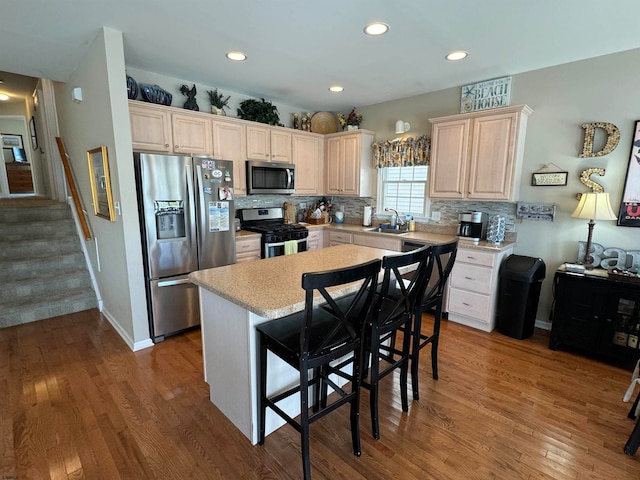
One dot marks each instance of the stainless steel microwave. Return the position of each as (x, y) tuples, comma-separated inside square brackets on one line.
[(270, 177)]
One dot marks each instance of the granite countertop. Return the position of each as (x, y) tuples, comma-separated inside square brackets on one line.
[(272, 287), (420, 236), (246, 233)]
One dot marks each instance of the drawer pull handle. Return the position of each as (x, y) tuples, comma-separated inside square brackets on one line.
[(469, 278), (466, 304)]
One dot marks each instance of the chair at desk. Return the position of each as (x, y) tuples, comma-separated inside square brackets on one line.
[(442, 259), (315, 339), (392, 313)]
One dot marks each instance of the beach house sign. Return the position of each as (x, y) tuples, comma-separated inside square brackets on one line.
[(484, 95)]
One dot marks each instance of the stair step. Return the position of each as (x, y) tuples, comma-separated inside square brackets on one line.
[(33, 267), (71, 301), (49, 213), (16, 232), (43, 286), (38, 247)]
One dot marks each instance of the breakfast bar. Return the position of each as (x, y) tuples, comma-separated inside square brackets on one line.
[(236, 298)]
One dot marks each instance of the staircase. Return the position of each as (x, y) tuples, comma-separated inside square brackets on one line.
[(42, 267)]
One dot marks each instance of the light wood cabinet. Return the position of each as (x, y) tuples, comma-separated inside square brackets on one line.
[(271, 144), (150, 127), (229, 144), (191, 134), (247, 249), (349, 164), (308, 158), (473, 287), (478, 155), (375, 241), (315, 240), (156, 128), (338, 238)]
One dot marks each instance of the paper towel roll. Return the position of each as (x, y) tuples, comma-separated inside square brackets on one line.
[(367, 217)]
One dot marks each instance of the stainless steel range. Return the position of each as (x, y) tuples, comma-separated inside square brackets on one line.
[(276, 235)]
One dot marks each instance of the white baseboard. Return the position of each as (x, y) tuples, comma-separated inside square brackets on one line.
[(543, 325), (134, 346)]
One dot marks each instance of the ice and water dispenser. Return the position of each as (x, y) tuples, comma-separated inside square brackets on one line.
[(169, 219)]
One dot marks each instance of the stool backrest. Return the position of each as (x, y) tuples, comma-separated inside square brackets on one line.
[(442, 259), (340, 334)]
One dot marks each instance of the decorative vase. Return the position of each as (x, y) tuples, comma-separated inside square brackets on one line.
[(352, 127), (218, 111)]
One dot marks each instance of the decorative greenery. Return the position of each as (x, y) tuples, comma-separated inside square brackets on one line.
[(352, 119), (261, 111), (217, 99)]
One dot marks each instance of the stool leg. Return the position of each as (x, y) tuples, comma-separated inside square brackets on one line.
[(304, 422), (434, 341), (355, 403), (404, 368), (374, 372), (415, 352), (634, 441)]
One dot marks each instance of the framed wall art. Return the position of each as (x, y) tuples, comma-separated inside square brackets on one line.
[(10, 140), (629, 214), (100, 183)]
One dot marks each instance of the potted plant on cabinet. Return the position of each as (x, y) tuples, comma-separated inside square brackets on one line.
[(218, 102), (261, 111), (351, 121)]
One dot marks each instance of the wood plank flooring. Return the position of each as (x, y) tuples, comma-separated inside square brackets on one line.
[(76, 403)]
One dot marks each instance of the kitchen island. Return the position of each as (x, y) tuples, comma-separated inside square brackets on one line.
[(236, 298)]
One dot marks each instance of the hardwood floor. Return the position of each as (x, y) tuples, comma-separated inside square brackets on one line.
[(75, 403)]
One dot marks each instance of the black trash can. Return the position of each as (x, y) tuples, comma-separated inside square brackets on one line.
[(520, 279)]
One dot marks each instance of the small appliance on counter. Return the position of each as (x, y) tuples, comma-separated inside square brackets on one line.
[(472, 225)]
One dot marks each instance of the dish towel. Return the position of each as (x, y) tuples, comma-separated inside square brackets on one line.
[(290, 246)]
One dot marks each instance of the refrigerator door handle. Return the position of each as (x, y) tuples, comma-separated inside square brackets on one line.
[(169, 283), (192, 208), (201, 209)]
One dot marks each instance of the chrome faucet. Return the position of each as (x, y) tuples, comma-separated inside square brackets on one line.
[(395, 220)]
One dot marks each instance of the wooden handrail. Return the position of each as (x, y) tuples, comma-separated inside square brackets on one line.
[(74, 191)]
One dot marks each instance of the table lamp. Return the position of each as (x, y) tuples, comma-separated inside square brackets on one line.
[(594, 206)]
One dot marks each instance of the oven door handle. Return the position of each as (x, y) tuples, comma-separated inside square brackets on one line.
[(281, 244)]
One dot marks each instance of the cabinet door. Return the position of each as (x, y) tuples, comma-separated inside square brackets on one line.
[(307, 156), (191, 134), (351, 165), (449, 159), (229, 144), (377, 242), (258, 142), (280, 146), (492, 157), (334, 162), (150, 129)]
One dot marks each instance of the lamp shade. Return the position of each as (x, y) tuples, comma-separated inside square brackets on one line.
[(596, 206)]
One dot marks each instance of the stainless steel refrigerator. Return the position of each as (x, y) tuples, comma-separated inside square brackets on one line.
[(187, 223)]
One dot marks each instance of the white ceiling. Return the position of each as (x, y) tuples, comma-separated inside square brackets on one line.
[(298, 48)]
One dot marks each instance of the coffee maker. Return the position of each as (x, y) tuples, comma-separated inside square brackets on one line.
[(472, 225)]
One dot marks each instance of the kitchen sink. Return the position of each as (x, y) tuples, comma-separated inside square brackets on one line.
[(388, 231)]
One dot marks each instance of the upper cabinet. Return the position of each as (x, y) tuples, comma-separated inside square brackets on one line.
[(349, 164), (478, 155), (229, 144), (150, 128), (156, 128), (271, 144), (308, 149)]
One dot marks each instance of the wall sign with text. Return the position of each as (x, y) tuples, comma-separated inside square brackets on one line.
[(488, 94)]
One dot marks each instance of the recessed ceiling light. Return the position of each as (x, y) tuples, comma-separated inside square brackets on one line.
[(376, 28), (236, 56), (457, 55), (336, 88), (4, 97)]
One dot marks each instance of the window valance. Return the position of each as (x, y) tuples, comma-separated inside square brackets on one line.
[(406, 152)]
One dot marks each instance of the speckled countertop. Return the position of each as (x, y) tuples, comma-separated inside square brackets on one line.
[(272, 287)]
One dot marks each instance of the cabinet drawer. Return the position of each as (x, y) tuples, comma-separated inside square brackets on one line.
[(476, 257), (470, 304), (377, 242), (247, 249), (340, 237), (471, 277)]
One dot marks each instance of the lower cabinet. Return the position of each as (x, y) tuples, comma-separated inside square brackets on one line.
[(472, 293), (597, 316), (315, 240), (377, 242), (247, 248), (338, 238)]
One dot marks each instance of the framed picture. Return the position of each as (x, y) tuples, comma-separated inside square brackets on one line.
[(32, 131), (10, 140), (629, 214), (100, 183), (547, 179)]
